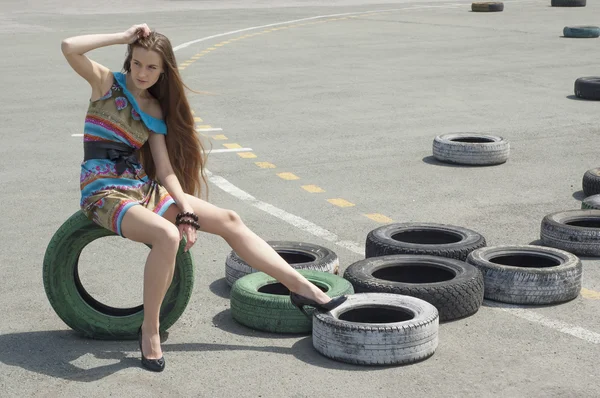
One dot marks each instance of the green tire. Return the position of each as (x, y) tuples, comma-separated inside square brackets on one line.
[(84, 314), (260, 302)]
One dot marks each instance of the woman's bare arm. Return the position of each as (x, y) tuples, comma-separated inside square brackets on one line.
[(165, 173), (75, 47)]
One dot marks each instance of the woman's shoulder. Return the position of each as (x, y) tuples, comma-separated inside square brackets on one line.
[(152, 108)]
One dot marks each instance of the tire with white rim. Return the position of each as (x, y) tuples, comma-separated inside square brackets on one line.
[(576, 231), (377, 329), (299, 255), (471, 149), (528, 274)]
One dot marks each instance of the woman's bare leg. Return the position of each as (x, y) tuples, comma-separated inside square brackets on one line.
[(253, 249), (142, 225)]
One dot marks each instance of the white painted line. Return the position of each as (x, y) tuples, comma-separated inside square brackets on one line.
[(292, 219), (76, 135), (210, 129), (230, 150), (322, 233), (532, 316), (189, 43)]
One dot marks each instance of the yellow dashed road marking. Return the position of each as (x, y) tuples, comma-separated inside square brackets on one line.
[(232, 146), (379, 218), (219, 45), (590, 294), (219, 137), (312, 188), (211, 48), (340, 202), (204, 126), (265, 165), (288, 176), (197, 119), (246, 155)]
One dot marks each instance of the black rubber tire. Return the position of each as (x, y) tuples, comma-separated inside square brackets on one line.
[(275, 313), (459, 241), (471, 149), (581, 31), (84, 314), (591, 203), (588, 88), (377, 342), (458, 297), (557, 232), (555, 279), (568, 3), (591, 182), (300, 255), (487, 6)]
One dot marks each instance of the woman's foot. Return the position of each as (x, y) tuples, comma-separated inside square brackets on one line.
[(152, 358), (300, 302), (314, 293)]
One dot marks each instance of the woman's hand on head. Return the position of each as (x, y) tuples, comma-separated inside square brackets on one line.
[(136, 32), (190, 235)]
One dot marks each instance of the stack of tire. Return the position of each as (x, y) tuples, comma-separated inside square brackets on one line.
[(413, 277), (577, 231)]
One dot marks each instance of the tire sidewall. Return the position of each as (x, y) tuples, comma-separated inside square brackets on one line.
[(363, 270), (384, 235), (60, 262), (480, 258)]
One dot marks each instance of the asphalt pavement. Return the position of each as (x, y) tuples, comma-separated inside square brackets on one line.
[(345, 97)]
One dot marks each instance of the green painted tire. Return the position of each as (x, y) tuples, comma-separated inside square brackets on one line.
[(581, 31), (84, 314), (260, 302)]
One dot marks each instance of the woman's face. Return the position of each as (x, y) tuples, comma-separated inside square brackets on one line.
[(146, 67)]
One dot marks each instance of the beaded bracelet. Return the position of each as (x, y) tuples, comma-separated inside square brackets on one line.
[(187, 214), (188, 222)]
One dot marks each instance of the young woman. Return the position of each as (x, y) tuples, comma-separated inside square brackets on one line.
[(144, 111)]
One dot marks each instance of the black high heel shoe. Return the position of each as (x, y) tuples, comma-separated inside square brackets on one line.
[(300, 302), (155, 365)]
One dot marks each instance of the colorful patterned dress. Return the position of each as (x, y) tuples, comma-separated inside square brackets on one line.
[(106, 195)]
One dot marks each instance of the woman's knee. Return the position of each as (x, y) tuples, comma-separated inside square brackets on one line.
[(167, 235)]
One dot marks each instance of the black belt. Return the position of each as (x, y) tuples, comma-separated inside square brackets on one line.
[(122, 154)]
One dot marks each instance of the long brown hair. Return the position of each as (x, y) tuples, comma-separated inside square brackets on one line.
[(184, 146)]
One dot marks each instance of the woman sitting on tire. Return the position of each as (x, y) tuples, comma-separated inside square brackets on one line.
[(155, 200)]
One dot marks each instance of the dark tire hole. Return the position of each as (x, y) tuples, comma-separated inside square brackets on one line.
[(421, 273), (427, 237), (281, 290), (473, 140), (585, 223), (377, 315), (295, 257), (525, 260)]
